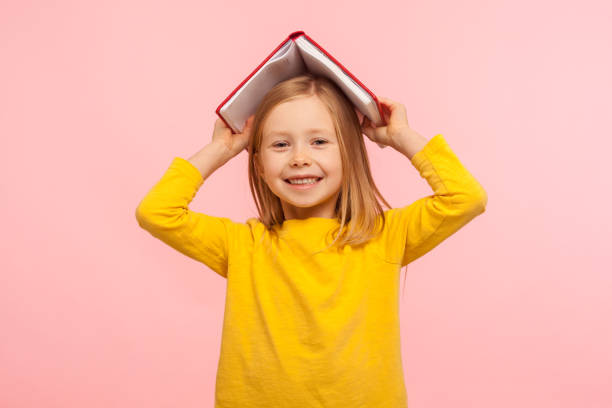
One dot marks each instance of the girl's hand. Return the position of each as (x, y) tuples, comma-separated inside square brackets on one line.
[(233, 143), (397, 124)]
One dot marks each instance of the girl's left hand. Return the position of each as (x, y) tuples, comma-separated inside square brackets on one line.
[(397, 124)]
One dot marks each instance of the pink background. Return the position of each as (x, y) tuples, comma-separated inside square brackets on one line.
[(97, 98)]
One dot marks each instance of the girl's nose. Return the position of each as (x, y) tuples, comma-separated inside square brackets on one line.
[(299, 158)]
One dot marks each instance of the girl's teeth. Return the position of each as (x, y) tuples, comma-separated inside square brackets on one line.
[(303, 181)]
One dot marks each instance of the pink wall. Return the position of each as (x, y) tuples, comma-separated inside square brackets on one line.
[(96, 99)]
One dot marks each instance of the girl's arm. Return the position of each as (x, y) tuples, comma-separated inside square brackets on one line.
[(458, 197), (165, 213), (210, 158), (416, 229)]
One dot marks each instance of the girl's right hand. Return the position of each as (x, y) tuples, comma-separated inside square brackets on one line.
[(233, 143)]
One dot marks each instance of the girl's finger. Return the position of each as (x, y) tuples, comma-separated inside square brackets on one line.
[(387, 115), (395, 109), (389, 105), (385, 101)]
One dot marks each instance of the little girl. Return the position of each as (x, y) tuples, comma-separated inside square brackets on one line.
[(311, 315)]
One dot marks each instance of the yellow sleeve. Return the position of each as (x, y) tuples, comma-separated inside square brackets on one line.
[(416, 229), (165, 214)]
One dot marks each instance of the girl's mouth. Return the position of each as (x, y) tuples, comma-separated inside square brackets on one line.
[(304, 186)]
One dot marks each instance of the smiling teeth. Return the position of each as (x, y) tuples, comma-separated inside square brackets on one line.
[(303, 181)]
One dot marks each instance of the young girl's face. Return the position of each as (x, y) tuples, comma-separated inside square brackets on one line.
[(299, 139)]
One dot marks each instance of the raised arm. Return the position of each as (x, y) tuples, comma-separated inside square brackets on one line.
[(414, 230), (164, 211), (458, 197)]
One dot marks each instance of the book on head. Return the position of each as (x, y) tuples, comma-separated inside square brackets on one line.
[(294, 56)]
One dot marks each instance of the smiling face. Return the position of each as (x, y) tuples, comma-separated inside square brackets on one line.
[(298, 139)]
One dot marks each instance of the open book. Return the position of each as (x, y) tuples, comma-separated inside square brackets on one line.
[(296, 55)]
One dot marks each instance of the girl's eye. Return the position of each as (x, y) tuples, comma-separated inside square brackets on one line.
[(281, 144)]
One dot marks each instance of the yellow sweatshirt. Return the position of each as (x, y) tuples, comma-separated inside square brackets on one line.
[(306, 331)]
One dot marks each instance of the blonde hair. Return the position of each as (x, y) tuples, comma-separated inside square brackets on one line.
[(357, 208)]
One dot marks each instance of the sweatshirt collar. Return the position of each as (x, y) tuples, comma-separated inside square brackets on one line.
[(308, 224)]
